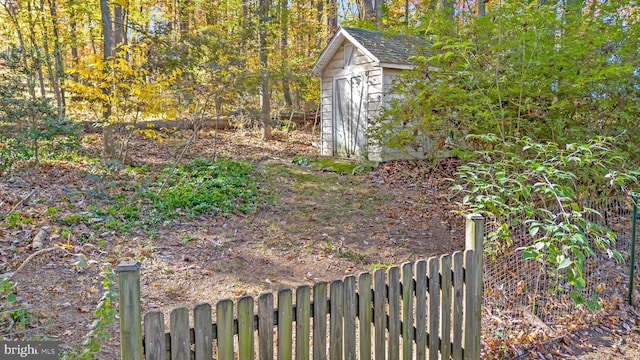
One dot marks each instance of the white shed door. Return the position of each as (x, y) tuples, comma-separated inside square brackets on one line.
[(350, 116)]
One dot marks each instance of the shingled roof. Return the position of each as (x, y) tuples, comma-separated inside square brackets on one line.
[(393, 51)]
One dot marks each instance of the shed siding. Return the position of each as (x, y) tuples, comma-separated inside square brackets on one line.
[(326, 124), (360, 64), (377, 152)]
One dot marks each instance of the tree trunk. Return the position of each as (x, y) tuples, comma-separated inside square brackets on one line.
[(284, 45), (332, 16), (319, 28), (35, 46), (379, 7), (365, 9), (246, 20), (107, 52), (59, 65), (482, 9), (74, 41), (52, 74), (118, 26), (265, 104), (406, 13)]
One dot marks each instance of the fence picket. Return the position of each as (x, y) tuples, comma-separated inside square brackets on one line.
[(469, 288), (336, 320), (202, 332), (458, 297), (407, 311), (434, 302), (303, 315), (224, 314), (365, 315), (285, 325), (379, 313), (155, 347), (245, 328), (445, 307), (320, 321), (350, 344), (265, 326), (179, 327), (421, 310), (394, 313), (131, 345)]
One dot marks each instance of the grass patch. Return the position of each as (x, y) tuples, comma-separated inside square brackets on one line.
[(15, 218), (195, 188), (340, 166), (352, 255), (205, 186), (384, 266)]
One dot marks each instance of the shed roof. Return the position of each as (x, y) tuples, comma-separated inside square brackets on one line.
[(392, 51)]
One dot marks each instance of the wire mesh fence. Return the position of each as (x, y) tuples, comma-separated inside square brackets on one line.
[(525, 289)]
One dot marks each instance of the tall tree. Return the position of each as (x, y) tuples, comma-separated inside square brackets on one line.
[(332, 15), (284, 47), (59, 63), (107, 53), (265, 102)]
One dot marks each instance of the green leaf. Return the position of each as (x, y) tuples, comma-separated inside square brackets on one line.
[(565, 263), (533, 230), (11, 298)]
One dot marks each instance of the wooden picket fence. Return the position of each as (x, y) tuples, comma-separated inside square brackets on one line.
[(429, 309)]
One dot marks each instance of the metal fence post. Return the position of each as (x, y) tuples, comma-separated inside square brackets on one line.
[(130, 314), (632, 267), (473, 320)]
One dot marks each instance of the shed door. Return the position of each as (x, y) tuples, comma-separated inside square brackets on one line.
[(350, 116)]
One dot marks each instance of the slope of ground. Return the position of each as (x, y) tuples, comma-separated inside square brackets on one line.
[(314, 225)]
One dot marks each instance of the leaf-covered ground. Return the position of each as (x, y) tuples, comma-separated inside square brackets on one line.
[(310, 224)]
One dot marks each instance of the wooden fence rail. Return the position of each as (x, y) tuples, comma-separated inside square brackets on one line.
[(429, 309)]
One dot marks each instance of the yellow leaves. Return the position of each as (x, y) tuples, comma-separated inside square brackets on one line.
[(124, 83), (150, 134)]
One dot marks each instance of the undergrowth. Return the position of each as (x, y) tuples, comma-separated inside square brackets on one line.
[(205, 186), (145, 198), (105, 314)]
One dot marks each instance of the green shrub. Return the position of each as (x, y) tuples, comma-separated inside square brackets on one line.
[(205, 186)]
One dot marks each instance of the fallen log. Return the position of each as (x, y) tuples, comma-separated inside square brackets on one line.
[(221, 123)]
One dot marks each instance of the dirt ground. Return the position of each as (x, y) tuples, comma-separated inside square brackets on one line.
[(319, 225)]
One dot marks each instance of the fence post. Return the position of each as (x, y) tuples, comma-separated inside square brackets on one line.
[(473, 320), (632, 266), (130, 315)]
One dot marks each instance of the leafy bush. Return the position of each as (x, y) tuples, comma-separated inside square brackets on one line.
[(539, 185), (206, 186), (553, 74)]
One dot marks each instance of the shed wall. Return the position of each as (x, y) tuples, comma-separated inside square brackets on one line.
[(377, 152)]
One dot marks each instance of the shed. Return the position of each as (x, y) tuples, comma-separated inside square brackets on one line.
[(357, 69)]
